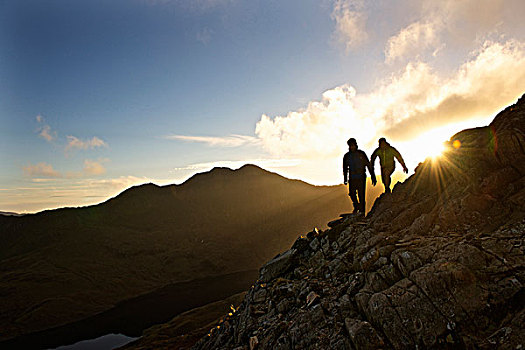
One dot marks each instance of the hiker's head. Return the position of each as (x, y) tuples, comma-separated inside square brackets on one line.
[(352, 144), (382, 142)]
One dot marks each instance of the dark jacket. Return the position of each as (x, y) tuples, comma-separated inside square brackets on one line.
[(354, 163), (386, 157)]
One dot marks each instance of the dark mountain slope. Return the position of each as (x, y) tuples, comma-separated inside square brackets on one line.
[(439, 263), (63, 265)]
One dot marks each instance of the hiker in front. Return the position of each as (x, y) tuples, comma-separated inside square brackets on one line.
[(354, 163), (386, 154)]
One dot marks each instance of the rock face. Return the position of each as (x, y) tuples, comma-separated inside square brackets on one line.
[(439, 263)]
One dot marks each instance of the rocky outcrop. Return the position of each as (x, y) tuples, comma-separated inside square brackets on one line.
[(439, 263)]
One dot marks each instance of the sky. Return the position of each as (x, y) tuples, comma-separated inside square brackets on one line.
[(97, 96)]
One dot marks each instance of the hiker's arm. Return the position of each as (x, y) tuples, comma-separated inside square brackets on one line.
[(400, 160), (345, 170), (373, 158), (370, 169)]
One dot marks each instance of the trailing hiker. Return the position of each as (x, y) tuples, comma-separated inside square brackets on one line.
[(354, 163)]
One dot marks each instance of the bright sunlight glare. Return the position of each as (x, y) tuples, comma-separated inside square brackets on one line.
[(430, 144)]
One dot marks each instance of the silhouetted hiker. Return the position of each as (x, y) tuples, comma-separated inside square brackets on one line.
[(354, 163), (386, 154)]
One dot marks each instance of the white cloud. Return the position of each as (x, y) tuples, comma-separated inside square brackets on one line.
[(41, 169), (479, 88), (311, 132), (414, 38), (233, 140), (408, 103), (350, 23), (76, 143), (450, 23)]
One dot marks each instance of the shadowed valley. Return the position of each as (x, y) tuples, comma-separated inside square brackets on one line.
[(64, 266)]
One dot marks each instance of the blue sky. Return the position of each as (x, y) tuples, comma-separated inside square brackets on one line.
[(99, 95)]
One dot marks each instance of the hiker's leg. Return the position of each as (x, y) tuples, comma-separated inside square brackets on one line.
[(361, 192), (386, 173), (352, 193)]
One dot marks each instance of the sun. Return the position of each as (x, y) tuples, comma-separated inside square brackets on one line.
[(434, 148), (427, 145)]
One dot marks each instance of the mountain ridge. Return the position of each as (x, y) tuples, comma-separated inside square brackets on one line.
[(63, 265), (439, 263)]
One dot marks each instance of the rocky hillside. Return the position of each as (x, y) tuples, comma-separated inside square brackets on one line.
[(61, 266), (439, 263)]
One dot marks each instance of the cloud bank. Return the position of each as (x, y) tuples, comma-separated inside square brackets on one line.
[(414, 100)]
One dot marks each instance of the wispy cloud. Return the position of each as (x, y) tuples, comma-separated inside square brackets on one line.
[(45, 131), (236, 164), (44, 172), (350, 23), (76, 143), (233, 140), (41, 169), (94, 167)]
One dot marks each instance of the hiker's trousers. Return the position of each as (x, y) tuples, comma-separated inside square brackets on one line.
[(386, 172), (356, 191)]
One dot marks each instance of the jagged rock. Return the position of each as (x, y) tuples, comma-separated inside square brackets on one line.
[(254, 341), (317, 314), (311, 298), (275, 267), (439, 263), (363, 335), (314, 244), (259, 296), (301, 244), (335, 222), (314, 233), (405, 261), (369, 258)]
